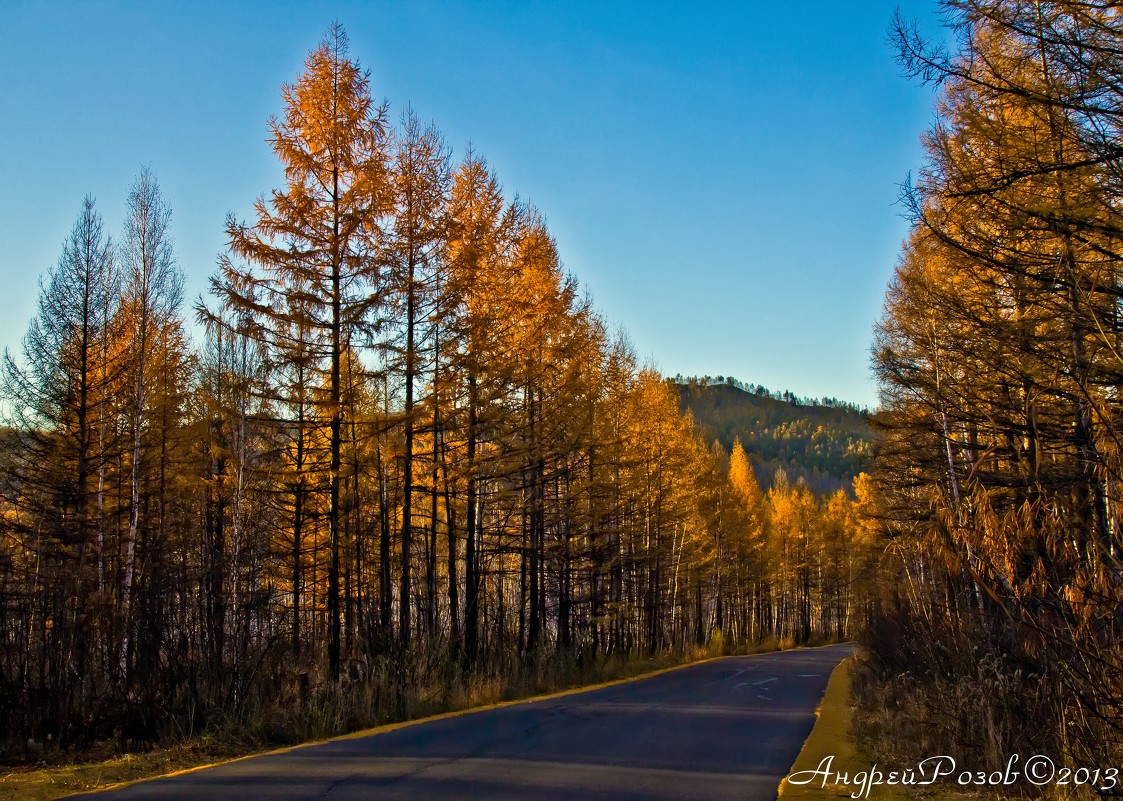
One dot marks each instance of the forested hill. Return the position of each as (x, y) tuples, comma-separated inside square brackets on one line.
[(825, 442)]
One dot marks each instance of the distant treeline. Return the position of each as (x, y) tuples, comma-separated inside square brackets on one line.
[(757, 389)]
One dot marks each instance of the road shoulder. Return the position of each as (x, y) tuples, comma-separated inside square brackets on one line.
[(833, 737)]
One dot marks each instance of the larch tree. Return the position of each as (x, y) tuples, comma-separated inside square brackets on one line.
[(313, 243), (998, 469), (475, 248), (420, 177), (394, 352)]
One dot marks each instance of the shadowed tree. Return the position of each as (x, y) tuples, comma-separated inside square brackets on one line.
[(59, 394)]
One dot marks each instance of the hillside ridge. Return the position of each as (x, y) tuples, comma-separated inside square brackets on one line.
[(825, 442)]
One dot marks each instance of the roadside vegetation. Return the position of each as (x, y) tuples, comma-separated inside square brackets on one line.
[(997, 464), (848, 731)]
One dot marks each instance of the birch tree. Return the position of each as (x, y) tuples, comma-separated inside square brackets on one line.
[(153, 290)]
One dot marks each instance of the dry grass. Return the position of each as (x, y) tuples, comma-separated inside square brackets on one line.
[(50, 781)]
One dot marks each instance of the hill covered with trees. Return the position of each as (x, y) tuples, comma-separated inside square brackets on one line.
[(826, 442)]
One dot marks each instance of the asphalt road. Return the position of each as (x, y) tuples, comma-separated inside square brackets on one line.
[(726, 729)]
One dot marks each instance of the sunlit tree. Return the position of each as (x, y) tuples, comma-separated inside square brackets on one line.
[(310, 250)]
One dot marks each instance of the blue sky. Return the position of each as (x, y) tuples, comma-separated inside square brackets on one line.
[(722, 178)]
